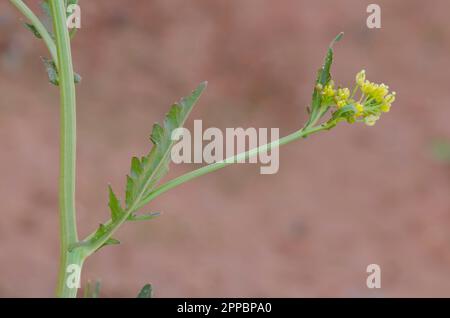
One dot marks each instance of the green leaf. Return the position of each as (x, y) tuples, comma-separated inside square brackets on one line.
[(102, 230), (114, 205), (52, 72), (147, 171), (143, 217), (323, 77), (33, 29), (324, 73), (146, 292)]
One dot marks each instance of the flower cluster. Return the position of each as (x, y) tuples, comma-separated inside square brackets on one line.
[(374, 99)]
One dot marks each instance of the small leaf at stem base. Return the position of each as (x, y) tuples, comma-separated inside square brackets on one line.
[(146, 292)]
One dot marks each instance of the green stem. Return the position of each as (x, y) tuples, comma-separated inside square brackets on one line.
[(23, 8), (67, 215), (90, 245), (229, 161)]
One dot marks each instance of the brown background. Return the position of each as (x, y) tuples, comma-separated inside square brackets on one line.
[(341, 200)]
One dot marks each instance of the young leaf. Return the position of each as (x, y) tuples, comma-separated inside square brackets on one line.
[(51, 71), (146, 292), (324, 73), (33, 29), (147, 171), (323, 77)]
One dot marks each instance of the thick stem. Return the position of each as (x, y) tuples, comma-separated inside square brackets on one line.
[(67, 216)]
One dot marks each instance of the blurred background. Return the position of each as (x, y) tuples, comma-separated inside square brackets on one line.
[(341, 200)]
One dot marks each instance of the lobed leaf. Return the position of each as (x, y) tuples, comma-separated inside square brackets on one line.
[(147, 171)]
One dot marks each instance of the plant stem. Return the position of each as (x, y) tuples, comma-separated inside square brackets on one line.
[(67, 214), (229, 161), (23, 8), (88, 246)]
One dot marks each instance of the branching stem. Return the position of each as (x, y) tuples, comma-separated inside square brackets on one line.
[(89, 245)]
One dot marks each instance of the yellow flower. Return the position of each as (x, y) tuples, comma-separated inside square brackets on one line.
[(328, 90), (359, 109), (387, 102), (374, 100), (379, 92), (371, 120), (343, 93), (389, 99), (368, 87), (385, 107), (341, 103), (361, 77)]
